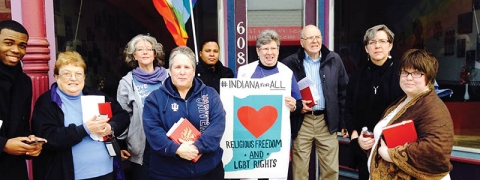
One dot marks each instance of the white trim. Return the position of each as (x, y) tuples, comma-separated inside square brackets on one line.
[(221, 33), (16, 11), (51, 38), (466, 149), (331, 22)]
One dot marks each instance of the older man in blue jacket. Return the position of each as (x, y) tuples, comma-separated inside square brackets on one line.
[(319, 123)]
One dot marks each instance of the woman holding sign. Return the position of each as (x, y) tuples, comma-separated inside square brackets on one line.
[(268, 49), (71, 153), (184, 96), (429, 156)]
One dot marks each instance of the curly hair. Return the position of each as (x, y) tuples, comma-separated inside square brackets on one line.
[(130, 50)]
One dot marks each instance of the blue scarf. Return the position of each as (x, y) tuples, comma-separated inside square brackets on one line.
[(157, 76)]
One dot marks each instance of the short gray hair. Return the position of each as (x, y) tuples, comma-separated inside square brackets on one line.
[(130, 50), (266, 37), (370, 33), (182, 50)]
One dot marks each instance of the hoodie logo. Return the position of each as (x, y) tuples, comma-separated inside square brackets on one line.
[(175, 107)]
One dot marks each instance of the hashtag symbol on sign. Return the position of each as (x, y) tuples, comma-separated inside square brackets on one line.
[(223, 84)]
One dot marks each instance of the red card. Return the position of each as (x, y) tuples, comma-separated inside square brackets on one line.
[(105, 108)]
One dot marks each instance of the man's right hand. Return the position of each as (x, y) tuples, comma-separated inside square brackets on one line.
[(16, 146), (305, 108)]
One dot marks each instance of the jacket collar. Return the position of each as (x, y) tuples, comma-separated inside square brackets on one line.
[(324, 53), (54, 97), (218, 66)]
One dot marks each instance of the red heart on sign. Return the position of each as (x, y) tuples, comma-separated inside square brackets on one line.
[(257, 122)]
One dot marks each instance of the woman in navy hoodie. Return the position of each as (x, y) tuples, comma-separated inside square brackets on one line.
[(184, 96)]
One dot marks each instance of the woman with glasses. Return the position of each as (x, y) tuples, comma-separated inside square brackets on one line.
[(370, 90), (71, 153), (268, 46), (146, 57), (429, 156)]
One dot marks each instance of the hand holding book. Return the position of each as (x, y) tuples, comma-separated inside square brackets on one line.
[(308, 91), (188, 151), (184, 133), (399, 133)]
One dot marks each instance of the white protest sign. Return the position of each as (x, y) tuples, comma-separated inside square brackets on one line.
[(256, 141)]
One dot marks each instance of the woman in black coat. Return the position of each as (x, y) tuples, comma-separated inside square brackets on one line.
[(71, 152), (370, 90)]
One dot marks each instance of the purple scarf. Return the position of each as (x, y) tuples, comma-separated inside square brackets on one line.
[(157, 76)]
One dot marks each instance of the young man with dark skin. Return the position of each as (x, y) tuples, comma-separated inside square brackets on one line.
[(209, 69), (16, 141)]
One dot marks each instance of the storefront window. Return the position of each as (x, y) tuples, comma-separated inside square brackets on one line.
[(284, 16), (100, 29)]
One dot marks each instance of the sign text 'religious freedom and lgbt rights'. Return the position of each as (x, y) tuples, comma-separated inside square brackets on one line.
[(256, 141)]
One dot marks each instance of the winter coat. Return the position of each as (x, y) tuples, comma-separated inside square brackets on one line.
[(15, 106), (211, 76), (56, 160), (334, 85)]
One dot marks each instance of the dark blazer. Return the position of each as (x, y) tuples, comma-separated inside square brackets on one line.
[(15, 106), (56, 161)]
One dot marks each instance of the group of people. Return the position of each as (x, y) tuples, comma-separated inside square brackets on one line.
[(150, 99)]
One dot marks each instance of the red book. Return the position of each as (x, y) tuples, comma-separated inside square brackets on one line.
[(399, 133), (105, 108), (306, 91), (184, 129), (307, 95)]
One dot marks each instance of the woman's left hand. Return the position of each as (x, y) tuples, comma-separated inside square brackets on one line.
[(291, 103), (99, 125), (383, 151), (187, 150)]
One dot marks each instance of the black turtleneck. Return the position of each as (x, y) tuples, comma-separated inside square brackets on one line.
[(370, 91)]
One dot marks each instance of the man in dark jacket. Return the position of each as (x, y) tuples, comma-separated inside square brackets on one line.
[(321, 122), (15, 104), (209, 69)]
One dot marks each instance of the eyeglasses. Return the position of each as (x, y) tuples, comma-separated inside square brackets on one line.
[(69, 75), (415, 74), (265, 49), (380, 41), (141, 50), (311, 38)]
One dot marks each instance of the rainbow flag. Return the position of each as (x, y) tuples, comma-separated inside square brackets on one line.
[(175, 14)]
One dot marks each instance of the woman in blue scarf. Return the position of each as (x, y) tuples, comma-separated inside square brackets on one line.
[(145, 55)]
